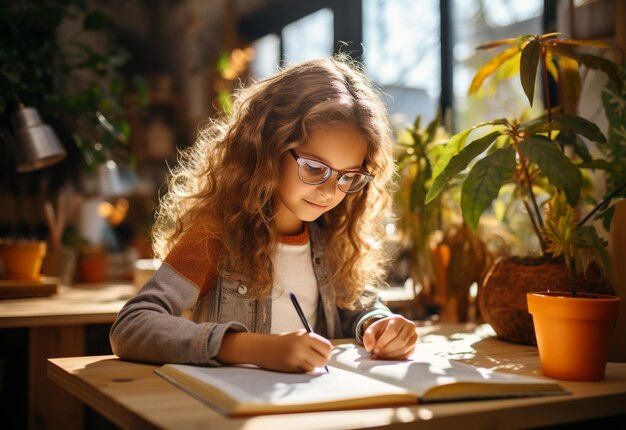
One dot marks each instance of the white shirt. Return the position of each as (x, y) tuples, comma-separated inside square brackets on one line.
[(293, 273)]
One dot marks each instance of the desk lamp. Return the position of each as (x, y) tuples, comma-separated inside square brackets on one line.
[(37, 144)]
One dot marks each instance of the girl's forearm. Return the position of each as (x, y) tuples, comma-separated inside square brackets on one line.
[(243, 348)]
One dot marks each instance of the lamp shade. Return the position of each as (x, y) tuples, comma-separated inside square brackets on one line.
[(37, 144), (109, 181)]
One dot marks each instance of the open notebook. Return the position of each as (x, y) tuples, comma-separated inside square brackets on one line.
[(354, 381)]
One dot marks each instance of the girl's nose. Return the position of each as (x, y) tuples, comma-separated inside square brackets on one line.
[(328, 188)]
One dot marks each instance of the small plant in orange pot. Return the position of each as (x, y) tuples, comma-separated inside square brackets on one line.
[(573, 330), (22, 258)]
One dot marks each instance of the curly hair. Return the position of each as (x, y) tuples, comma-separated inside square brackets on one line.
[(229, 178)]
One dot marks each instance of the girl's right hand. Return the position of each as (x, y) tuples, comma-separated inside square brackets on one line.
[(296, 351)]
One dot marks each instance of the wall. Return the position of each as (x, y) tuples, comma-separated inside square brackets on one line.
[(618, 231)]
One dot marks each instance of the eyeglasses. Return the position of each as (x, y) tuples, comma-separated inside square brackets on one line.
[(315, 172)]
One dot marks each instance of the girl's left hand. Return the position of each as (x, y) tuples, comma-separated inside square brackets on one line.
[(391, 338)]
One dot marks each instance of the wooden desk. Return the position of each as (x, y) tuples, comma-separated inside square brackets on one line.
[(56, 326), (132, 396)]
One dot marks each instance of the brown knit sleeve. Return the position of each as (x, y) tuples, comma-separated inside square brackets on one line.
[(196, 257)]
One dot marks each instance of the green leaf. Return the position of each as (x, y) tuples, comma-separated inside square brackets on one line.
[(223, 62), (457, 142), (592, 249), (559, 169), (528, 67), (404, 160), (459, 162), (569, 138), (572, 123), (598, 164), (416, 198), (607, 218), (483, 183), (592, 61), (417, 122), (225, 101), (454, 145), (601, 63), (431, 128)]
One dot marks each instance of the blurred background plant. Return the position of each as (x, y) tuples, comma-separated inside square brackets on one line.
[(446, 259), (230, 67), (76, 86), (61, 57)]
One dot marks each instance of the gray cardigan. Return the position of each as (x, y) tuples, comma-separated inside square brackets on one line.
[(168, 320)]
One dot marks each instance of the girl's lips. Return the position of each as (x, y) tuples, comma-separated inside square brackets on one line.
[(315, 205)]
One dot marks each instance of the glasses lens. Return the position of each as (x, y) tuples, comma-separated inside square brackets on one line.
[(313, 172), (352, 182)]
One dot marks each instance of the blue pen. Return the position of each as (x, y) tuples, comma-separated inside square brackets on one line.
[(305, 323)]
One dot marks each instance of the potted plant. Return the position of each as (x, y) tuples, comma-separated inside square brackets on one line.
[(542, 157), (21, 259), (575, 324), (444, 256)]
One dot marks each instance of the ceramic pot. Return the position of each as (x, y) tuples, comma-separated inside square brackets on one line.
[(502, 296), (573, 333), (60, 263), (22, 258)]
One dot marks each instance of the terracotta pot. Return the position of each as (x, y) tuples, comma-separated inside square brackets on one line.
[(92, 266), (502, 297), (22, 258), (573, 333)]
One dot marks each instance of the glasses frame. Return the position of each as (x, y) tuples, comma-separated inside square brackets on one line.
[(338, 173)]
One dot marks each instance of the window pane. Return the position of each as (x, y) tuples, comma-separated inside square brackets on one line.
[(309, 37), (402, 55), (478, 21), (267, 57)]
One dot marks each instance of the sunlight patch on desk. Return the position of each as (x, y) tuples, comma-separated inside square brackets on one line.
[(425, 414), (405, 415)]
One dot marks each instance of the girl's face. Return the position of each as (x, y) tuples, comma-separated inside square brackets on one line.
[(342, 147)]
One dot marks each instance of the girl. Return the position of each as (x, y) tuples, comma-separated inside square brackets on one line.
[(287, 195)]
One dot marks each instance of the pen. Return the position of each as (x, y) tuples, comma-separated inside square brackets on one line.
[(305, 323)]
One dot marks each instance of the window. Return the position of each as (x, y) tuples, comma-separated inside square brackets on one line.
[(304, 39), (402, 48), (478, 21), (267, 55), (309, 37), (402, 55)]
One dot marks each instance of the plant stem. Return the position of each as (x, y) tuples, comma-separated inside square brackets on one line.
[(571, 276), (601, 204), (534, 224), (546, 86), (530, 186), (533, 199), (537, 213)]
